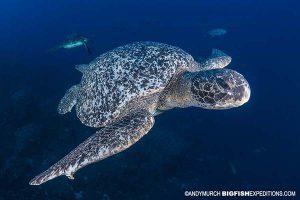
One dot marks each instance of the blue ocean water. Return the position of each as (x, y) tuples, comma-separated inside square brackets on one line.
[(253, 147)]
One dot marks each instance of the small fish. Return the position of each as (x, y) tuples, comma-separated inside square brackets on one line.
[(72, 42), (259, 150), (217, 32)]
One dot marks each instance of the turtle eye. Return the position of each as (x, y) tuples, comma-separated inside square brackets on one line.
[(223, 84)]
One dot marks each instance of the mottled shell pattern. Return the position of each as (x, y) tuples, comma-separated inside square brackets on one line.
[(127, 73)]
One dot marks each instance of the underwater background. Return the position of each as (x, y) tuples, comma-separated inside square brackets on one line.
[(253, 147)]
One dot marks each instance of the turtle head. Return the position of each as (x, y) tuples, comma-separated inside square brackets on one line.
[(218, 89)]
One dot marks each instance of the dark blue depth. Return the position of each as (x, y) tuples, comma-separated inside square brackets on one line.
[(253, 147)]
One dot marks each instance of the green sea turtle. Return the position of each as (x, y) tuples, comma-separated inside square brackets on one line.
[(122, 90)]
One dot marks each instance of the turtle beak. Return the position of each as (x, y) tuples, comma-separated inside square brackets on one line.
[(247, 94), (242, 94)]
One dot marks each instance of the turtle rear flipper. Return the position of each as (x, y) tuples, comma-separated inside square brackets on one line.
[(110, 140), (69, 100), (217, 60)]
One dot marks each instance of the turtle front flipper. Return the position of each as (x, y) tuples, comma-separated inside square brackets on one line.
[(217, 60), (69, 100), (110, 140)]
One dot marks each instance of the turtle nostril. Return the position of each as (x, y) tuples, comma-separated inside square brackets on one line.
[(222, 83)]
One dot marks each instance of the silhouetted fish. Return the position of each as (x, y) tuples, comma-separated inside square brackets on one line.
[(217, 32), (72, 42)]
